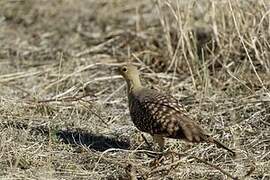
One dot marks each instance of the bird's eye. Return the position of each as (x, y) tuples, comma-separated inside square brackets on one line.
[(124, 69)]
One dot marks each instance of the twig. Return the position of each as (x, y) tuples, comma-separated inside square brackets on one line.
[(97, 115), (211, 165), (167, 167), (67, 99)]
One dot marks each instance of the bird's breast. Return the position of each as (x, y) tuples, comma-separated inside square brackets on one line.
[(139, 116)]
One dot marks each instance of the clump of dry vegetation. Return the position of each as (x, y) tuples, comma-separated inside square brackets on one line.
[(63, 112)]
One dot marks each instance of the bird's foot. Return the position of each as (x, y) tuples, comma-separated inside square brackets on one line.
[(161, 157)]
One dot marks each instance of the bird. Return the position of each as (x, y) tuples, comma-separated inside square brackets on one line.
[(160, 114)]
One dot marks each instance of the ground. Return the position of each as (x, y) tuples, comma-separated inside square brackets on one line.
[(63, 108)]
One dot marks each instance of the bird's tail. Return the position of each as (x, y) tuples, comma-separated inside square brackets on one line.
[(221, 145), (207, 138)]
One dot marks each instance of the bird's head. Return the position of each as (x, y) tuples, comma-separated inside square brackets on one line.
[(131, 75)]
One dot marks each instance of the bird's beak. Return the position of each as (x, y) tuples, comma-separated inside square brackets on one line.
[(117, 70)]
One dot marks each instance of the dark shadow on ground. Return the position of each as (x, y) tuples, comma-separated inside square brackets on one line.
[(76, 137), (92, 141)]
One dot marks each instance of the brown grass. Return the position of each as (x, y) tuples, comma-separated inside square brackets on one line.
[(63, 112)]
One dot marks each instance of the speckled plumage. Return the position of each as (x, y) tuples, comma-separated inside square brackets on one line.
[(159, 114)]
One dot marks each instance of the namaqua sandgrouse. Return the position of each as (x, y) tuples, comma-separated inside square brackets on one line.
[(161, 115)]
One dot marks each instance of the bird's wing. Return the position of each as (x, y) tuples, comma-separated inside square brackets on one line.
[(170, 118), (157, 99)]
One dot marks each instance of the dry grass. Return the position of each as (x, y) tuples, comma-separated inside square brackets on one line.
[(63, 112)]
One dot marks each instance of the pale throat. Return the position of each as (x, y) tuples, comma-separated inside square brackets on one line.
[(134, 84)]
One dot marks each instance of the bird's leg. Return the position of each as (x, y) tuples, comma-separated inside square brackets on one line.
[(159, 140), (145, 140)]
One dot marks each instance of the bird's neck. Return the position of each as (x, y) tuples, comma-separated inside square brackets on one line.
[(134, 85)]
